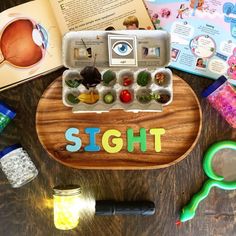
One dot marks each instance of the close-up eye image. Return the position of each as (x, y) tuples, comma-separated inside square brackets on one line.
[(23, 43), (122, 48)]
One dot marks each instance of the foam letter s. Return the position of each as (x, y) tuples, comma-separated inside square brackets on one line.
[(69, 136)]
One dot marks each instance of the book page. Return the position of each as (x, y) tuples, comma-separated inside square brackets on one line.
[(73, 15), (203, 35), (30, 42)]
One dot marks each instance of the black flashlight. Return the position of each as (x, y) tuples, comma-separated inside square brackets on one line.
[(109, 208)]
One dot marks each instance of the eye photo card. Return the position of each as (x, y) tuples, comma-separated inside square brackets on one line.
[(122, 50)]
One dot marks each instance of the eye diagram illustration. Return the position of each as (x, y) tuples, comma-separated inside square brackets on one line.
[(122, 48), (23, 43)]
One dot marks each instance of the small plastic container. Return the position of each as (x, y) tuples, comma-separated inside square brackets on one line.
[(17, 165), (6, 115), (222, 96)]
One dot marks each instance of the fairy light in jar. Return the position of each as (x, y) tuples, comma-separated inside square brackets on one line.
[(66, 206)]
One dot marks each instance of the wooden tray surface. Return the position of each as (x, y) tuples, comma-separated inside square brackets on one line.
[(181, 119)]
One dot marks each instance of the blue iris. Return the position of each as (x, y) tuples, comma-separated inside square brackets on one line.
[(123, 48)]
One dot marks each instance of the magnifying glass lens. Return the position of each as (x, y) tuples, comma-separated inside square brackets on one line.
[(224, 163)]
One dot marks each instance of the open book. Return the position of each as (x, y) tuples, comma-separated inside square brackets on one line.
[(203, 34), (31, 35)]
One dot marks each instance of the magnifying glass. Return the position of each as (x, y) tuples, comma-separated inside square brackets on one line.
[(215, 180)]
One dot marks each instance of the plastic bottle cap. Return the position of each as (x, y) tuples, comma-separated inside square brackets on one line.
[(206, 92), (9, 149), (6, 110)]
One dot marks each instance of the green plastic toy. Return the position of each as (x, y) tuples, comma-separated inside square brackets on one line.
[(188, 212)]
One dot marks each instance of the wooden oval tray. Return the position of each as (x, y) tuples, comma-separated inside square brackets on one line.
[(181, 119)]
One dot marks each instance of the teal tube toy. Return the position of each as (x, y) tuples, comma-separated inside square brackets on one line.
[(189, 211)]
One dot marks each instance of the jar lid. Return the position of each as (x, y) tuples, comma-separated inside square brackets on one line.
[(6, 110), (67, 190), (9, 149), (206, 92)]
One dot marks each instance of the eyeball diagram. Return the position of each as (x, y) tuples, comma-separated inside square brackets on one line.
[(122, 48), (23, 43)]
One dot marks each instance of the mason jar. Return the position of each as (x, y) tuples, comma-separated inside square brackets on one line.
[(66, 201)]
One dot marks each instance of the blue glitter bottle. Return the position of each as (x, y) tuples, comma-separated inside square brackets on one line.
[(6, 115)]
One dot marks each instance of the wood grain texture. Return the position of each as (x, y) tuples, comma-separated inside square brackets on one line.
[(181, 121), (27, 211)]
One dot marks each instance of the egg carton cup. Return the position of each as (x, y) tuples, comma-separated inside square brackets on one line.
[(116, 86)]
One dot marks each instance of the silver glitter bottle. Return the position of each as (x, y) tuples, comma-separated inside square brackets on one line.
[(17, 166)]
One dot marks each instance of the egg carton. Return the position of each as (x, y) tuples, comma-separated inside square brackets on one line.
[(141, 88)]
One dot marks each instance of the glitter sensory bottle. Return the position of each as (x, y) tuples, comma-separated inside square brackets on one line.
[(17, 165), (222, 96)]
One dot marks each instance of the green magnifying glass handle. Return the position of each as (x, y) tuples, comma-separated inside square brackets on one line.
[(189, 211)]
